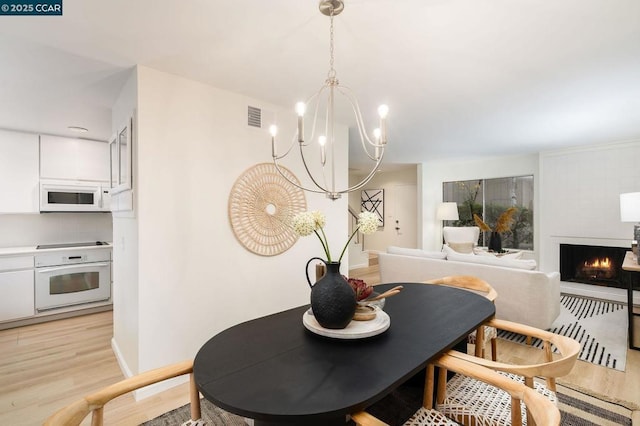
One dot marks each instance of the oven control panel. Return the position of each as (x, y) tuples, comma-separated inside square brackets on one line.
[(70, 257)]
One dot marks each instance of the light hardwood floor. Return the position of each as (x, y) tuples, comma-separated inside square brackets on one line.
[(46, 366)]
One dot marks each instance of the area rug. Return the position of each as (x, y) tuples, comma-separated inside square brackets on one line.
[(577, 408), (599, 325), (212, 416)]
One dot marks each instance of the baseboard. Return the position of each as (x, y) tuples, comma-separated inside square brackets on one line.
[(598, 292), (121, 362), (157, 388), (150, 390)]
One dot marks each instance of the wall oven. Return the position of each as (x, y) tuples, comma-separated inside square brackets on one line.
[(72, 277), (74, 197)]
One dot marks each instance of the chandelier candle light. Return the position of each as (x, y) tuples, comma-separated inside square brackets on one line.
[(326, 96)]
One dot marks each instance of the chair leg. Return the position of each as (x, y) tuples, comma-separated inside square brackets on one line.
[(427, 401), (442, 385), (494, 349), (97, 419), (480, 342), (195, 399)]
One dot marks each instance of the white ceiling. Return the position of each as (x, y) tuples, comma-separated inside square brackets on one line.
[(461, 77)]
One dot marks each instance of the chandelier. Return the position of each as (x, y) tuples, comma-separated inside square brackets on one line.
[(322, 103)]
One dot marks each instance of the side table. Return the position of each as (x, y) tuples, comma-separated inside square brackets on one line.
[(632, 269)]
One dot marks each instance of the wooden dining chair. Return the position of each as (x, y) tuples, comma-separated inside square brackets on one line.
[(484, 335), (479, 399), (74, 413), (542, 410)]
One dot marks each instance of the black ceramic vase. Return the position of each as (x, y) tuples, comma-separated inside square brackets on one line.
[(495, 242), (333, 301)]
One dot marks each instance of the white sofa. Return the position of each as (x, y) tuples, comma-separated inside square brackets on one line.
[(524, 296)]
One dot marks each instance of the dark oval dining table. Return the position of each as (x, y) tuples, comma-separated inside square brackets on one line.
[(275, 371)]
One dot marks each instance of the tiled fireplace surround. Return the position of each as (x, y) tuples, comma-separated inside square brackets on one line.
[(579, 200)]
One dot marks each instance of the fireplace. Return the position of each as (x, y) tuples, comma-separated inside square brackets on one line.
[(596, 265)]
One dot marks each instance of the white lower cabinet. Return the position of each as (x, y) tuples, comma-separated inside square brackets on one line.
[(16, 295)]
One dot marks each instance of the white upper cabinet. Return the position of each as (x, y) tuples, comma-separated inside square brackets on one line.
[(18, 172), (73, 159)]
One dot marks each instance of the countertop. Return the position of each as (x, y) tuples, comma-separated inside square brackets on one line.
[(29, 250)]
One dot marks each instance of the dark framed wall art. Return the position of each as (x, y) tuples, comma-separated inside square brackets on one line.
[(372, 200)]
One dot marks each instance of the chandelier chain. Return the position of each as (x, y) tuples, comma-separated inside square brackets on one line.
[(332, 72)]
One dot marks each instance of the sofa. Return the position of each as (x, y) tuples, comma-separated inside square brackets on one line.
[(525, 296)]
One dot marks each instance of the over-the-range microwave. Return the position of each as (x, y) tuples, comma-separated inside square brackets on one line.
[(69, 196)]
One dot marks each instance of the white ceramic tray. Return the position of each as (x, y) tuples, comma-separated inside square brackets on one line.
[(355, 329)]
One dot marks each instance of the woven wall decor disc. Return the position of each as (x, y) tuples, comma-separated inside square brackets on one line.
[(261, 206)]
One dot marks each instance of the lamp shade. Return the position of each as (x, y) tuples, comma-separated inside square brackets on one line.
[(630, 207), (447, 211)]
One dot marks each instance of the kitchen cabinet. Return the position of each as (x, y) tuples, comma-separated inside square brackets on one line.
[(73, 159), (18, 172), (16, 288)]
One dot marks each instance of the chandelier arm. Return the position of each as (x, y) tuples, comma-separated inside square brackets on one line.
[(310, 174), (331, 135), (359, 123), (279, 157), (348, 93), (355, 106), (366, 180), (296, 184), (315, 98)]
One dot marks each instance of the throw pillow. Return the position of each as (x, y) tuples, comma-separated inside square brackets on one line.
[(465, 248), (450, 251)]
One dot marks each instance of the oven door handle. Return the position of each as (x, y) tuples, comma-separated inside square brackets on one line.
[(80, 265)]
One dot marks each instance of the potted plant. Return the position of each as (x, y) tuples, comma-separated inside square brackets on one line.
[(503, 224)]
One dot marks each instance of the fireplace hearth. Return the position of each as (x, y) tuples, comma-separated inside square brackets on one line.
[(595, 265)]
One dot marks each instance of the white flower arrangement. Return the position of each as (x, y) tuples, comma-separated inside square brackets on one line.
[(306, 223)]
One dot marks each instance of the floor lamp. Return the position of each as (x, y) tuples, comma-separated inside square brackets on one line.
[(447, 211)]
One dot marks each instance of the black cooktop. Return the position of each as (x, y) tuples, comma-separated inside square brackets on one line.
[(89, 244)]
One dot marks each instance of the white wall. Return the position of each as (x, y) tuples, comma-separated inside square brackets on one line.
[(580, 190), (125, 249), (576, 194), (400, 203), (194, 279), (434, 173), (21, 230)]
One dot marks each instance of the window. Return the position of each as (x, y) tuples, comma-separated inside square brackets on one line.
[(489, 198)]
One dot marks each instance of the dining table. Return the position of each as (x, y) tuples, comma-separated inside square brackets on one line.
[(277, 371)]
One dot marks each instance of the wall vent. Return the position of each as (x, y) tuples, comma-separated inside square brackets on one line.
[(254, 117)]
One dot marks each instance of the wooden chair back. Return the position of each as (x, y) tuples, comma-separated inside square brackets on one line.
[(553, 367), (542, 410), (468, 282), (74, 413)]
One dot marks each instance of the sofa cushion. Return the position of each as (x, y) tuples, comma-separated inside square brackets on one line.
[(465, 248), (416, 252), (528, 264)]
